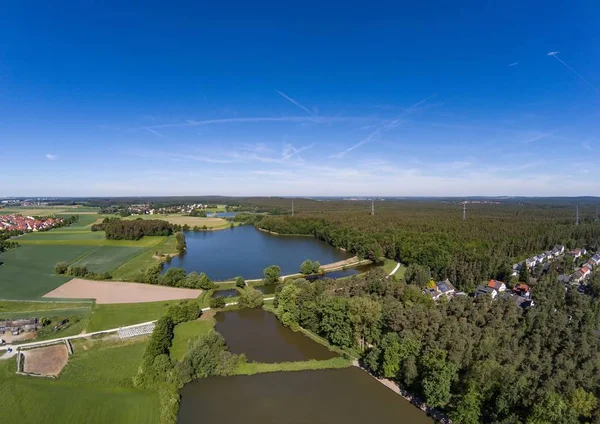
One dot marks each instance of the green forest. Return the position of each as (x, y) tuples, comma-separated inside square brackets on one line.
[(475, 360), (433, 234)]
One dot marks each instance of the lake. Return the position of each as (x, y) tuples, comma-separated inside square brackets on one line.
[(223, 214), (246, 251), (338, 396), (262, 338)]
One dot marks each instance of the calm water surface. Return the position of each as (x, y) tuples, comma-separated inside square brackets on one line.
[(343, 396), (342, 273), (262, 338), (226, 293), (246, 251)]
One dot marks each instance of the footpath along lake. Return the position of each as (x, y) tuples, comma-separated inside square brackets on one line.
[(246, 251), (344, 396)]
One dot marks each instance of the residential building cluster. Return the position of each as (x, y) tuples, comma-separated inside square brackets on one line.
[(25, 224), (145, 209), (18, 326), (542, 258), (520, 294), (584, 272)]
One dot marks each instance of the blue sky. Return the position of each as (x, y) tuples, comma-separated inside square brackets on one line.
[(379, 99)]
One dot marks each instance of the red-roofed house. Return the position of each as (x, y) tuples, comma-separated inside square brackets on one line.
[(499, 286)]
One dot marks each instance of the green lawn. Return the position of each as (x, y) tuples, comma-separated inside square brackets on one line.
[(27, 272), (187, 331), (105, 317), (91, 240), (95, 387)]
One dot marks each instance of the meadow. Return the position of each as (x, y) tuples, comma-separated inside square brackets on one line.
[(187, 331), (109, 316), (94, 387), (16, 309)]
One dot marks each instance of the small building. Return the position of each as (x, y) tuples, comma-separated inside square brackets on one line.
[(531, 262), (522, 290), (19, 325), (499, 286), (595, 259), (522, 302), (486, 290), (565, 279), (578, 276), (441, 288), (558, 250)]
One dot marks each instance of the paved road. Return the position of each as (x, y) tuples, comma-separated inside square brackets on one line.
[(398, 265)]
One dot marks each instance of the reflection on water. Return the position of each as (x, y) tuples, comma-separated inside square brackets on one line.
[(225, 293), (262, 338), (342, 396)]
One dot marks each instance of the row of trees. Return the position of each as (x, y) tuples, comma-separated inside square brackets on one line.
[(7, 245), (181, 244), (310, 267), (478, 360), (63, 268), (174, 277), (118, 229)]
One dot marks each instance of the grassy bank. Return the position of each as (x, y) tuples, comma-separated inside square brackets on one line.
[(187, 331), (251, 368), (109, 316)]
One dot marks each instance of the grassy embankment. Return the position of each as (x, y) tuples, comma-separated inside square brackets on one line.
[(95, 387)]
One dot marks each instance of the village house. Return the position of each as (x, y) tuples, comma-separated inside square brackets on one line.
[(565, 279), (576, 253), (522, 290), (595, 259), (499, 286), (486, 290), (558, 250), (578, 276), (531, 262), (441, 288)]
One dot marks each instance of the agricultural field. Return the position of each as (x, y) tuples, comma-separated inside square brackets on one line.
[(130, 269), (27, 272), (49, 210), (94, 387), (107, 258), (211, 223)]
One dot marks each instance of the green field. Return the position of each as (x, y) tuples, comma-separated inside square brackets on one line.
[(107, 258), (27, 272), (15, 310), (105, 317), (94, 387), (187, 331), (130, 269)]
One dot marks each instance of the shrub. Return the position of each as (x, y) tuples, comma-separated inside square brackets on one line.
[(197, 281), (61, 268), (272, 274), (309, 267), (77, 271), (217, 302), (251, 298), (173, 277), (240, 282), (184, 311)]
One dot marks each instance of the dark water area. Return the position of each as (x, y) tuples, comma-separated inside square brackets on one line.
[(247, 251), (266, 289), (262, 338), (226, 293), (342, 396), (342, 273)]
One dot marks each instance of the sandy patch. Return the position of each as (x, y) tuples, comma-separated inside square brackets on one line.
[(119, 292), (9, 338), (46, 360)]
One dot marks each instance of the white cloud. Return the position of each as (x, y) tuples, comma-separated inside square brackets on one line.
[(50, 156)]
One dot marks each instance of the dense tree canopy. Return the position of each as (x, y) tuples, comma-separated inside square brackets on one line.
[(477, 359)]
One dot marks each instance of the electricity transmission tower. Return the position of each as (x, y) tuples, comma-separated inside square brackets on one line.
[(372, 207), (292, 208), (464, 211), (577, 215)]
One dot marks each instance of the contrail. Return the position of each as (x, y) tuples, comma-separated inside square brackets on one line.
[(153, 131), (514, 64), (285, 96), (385, 127), (555, 56)]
